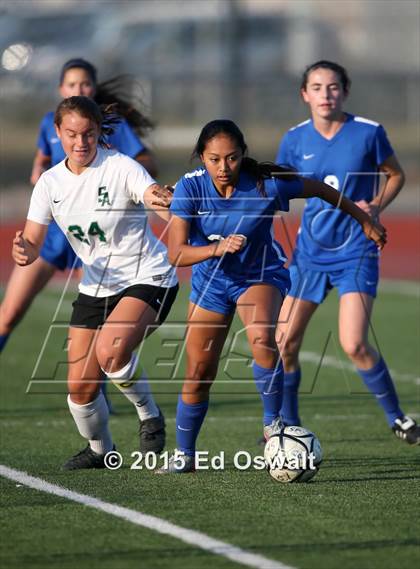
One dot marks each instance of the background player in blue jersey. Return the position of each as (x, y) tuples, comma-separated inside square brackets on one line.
[(222, 225), (78, 77), (348, 153)]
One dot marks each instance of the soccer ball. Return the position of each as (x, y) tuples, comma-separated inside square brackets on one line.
[(294, 455)]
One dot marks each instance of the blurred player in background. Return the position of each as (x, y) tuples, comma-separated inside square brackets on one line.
[(346, 152), (78, 77), (222, 226), (99, 199)]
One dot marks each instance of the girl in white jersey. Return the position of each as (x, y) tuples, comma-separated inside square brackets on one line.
[(99, 198)]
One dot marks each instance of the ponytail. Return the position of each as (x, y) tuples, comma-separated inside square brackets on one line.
[(122, 93), (265, 170)]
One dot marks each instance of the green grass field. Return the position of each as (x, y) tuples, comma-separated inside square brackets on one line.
[(361, 510)]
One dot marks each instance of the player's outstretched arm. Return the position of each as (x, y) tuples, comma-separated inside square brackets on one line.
[(158, 199), (371, 228), (27, 243), (181, 254)]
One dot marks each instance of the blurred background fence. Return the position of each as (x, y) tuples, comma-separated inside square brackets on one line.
[(196, 60)]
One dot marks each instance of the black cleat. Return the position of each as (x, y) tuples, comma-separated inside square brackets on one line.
[(86, 458), (152, 434), (407, 429)]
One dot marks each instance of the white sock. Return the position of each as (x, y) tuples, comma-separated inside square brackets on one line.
[(137, 391), (92, 422)]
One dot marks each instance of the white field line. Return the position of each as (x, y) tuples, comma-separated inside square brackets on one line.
[(191, 537)]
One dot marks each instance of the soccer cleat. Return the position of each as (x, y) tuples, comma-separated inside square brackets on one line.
[(262, 440), (152, 434), (407, 429), (178, 463), (273, 429), (86, 458)]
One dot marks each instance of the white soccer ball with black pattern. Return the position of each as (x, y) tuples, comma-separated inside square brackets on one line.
[(293, 455)]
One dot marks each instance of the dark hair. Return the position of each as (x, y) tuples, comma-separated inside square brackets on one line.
[(105, 118), (121, 91), (325, 64), (79, 63), (260, 170)]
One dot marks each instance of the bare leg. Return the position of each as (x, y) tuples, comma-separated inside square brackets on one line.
[(206, 335), (128, 325), (295, 316), (354, 320), (86, 403), (258, 309), (353, 324), (23, 286)]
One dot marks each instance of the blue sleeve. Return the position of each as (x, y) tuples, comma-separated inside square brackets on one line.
[(283, 154), (43, 142), (382, 148), (125, 140), (288, 190), (183, 204)]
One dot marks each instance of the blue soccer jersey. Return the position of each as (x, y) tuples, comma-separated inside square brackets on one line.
[(213, 217), (329, 239), (123, 139)]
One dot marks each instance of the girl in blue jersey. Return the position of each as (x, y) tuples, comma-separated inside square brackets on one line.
[(222, 225), (78, 77), (348, 153)]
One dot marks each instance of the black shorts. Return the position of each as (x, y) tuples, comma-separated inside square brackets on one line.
[(91, 312)]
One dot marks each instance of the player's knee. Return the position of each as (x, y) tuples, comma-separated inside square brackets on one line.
[(355, 349), (200, 377), (196, 390), (83, 392), (111, 358), (263, 339), (289, 350), (122, 375)]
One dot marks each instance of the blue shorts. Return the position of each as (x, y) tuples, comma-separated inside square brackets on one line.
[(220, 293), (57, 250), (311, 285)]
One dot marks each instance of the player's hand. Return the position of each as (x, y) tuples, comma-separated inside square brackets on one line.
[(160, 196), (231, 244), (19, 250), (376, 232), (371, 209)]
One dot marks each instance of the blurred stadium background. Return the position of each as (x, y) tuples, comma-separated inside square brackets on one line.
[(197, 60), (200, 59)]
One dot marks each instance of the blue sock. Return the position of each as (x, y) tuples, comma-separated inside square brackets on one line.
[(189, 419), (289, 408), (269, 384), (3, 341), (379, 382)]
